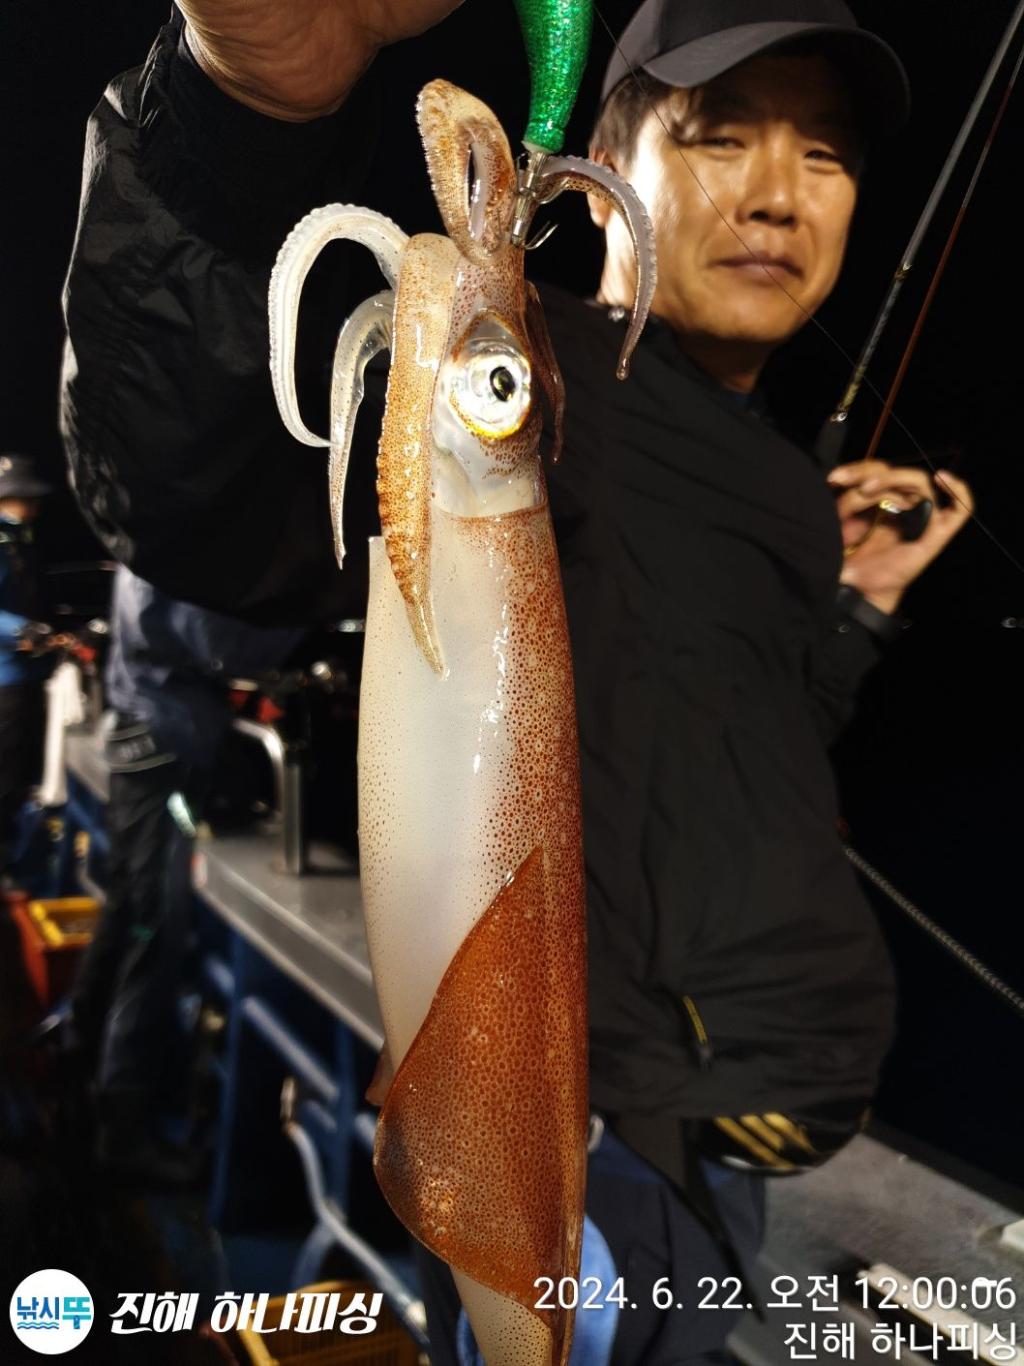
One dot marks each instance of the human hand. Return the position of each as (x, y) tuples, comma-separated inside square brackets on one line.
[(878, 561), (298, 59)]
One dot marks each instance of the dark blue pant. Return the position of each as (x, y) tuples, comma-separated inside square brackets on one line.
[(22, 722), (651, 1234), (125, 994)]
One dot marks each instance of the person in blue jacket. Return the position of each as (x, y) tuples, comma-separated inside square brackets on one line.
[(27, 644)]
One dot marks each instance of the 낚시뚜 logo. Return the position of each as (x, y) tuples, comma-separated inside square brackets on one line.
[(51, 1312)]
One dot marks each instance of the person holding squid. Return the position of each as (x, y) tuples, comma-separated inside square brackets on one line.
[(741, 999)]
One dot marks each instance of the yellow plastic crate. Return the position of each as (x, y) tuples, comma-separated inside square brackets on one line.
[(66, 922), (54, 935), (388, 1345)]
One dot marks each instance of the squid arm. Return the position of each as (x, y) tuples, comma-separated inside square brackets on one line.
[(574, 173), (332, 222), (365, 334), (423, 309)]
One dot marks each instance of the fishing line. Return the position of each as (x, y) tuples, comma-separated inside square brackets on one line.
[(963, 956), (809, 317), (940, 269)]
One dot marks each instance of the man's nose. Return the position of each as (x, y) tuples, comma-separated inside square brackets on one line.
[(771, 191)]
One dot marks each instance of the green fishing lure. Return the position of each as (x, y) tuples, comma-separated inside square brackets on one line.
[(557, 37)]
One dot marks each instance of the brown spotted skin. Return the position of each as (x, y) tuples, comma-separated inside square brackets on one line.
[(481, 1144), (427, 279), (468, 1194)]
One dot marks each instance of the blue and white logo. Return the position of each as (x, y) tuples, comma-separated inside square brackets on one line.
[(51, 1312)]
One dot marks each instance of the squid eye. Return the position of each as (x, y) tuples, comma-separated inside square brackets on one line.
[(503, 382), (489, 387)]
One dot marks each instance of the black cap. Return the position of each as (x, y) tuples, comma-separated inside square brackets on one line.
[(688, 42), (18, 478)]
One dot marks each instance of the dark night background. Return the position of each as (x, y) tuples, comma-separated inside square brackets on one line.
[(930, 770)]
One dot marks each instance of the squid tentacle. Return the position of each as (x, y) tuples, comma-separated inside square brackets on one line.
[(366, 332), (574, 173), (333, 222)]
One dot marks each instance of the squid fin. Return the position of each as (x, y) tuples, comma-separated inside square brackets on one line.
[(506, 1021)]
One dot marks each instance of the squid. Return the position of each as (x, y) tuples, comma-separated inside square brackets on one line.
[(471, 855)]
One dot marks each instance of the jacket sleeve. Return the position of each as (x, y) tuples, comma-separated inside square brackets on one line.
[(842, 661), (177, 454)]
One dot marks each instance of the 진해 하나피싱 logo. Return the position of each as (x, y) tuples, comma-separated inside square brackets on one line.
[(51, 1312)]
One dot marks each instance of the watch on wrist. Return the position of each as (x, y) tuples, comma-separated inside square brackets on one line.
[(853, 605)]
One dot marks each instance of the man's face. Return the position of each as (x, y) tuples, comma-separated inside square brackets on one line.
[(772, 152)]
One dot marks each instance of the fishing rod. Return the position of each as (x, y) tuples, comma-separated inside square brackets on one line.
[(832, 436)]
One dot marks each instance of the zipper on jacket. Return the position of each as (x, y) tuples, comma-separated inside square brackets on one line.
[(705, 1053)]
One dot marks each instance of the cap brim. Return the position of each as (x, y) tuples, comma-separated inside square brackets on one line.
[(878, 82)]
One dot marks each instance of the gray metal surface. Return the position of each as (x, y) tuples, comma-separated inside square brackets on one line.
[(84, 758), (872, 1204), (289, 788), (311, 926)]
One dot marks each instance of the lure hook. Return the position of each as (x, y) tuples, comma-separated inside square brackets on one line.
[(530, 169), (541, 237)]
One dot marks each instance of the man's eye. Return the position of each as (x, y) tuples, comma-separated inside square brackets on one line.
[(720, 140)]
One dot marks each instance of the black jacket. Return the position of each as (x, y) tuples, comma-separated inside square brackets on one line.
[(700, 554)]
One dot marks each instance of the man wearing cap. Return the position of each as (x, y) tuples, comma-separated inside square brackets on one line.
[(26, 657), (741, 997)]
